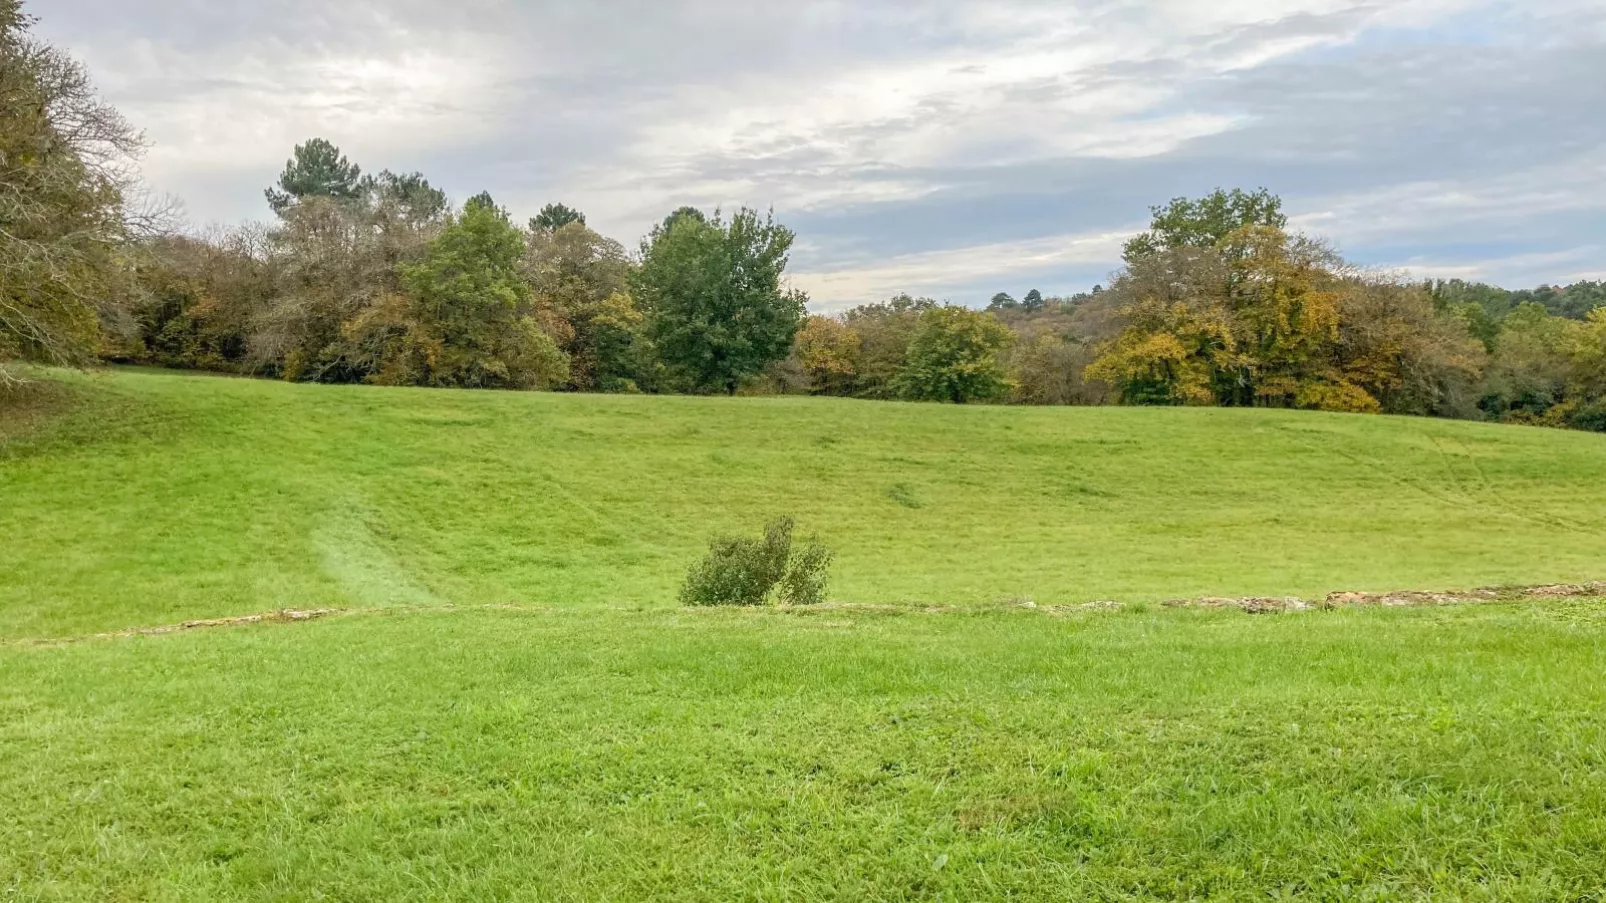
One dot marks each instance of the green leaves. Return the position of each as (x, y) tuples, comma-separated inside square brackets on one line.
[(717, 308), (954, 356), (471, 307), (742, 571), (409, 196), (1207, 221)]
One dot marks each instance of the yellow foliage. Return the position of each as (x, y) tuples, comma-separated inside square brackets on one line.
[(1166, 355), (829, 354), (1586, 350), (1260, 320), (1343, 396)]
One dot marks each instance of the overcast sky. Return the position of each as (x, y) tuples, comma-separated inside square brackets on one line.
[(950, 148)]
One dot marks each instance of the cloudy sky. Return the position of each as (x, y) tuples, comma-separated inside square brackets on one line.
[(951, 148)]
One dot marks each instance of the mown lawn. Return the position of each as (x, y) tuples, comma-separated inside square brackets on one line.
[(563, 754), (513, 707), (164, 496)]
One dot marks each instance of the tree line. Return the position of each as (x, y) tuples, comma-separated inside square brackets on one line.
[(377, 278), (1218, 303)]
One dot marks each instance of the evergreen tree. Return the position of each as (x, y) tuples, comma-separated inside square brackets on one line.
[(317, 169), (554, 217), (483, 201), (410, 196)]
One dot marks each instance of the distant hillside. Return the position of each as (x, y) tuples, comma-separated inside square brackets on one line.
[(161, 496)]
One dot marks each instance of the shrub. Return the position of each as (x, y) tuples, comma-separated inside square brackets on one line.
[(741, 571), (807, 572), (1590, 417)]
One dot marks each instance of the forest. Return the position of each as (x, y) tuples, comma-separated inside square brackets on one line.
[(379, 278)]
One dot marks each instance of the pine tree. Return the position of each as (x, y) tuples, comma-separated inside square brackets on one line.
[(317, 169)]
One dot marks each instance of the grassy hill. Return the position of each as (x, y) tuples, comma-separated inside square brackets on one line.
[(515, 709), (161, 497)]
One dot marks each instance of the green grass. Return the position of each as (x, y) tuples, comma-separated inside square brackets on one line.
[(660, 755), (520, 712), (167, 497)]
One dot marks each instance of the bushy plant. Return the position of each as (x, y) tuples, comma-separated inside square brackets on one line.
[(807, 571), (739, 570)]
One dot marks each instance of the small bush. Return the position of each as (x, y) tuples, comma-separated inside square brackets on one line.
[(806, 575), (742, 571)]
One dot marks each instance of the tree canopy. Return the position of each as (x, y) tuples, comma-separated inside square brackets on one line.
[(554, 217), (64, 184), (471, 323), (954, 356), (716, 303), (315, 169), (1205, 222), (408, 196), (581, 285)]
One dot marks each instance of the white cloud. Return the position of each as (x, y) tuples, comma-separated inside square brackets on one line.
[(1576, 185), (928, 272), (893, 122), (1551, 267)]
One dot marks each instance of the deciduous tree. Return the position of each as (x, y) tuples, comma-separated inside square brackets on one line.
[(884, 331), (64, 220), (716, 303), (1206, 222), (828, 352), (954, 356), (581, 285), (469, 323), (1047, 368)]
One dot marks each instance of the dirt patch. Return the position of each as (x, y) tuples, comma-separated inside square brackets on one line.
[(1261, 605), (285, 615), (1255, 605), (924, 608)]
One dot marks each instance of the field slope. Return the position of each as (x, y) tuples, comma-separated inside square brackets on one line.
[(163, 497), (511, 707)]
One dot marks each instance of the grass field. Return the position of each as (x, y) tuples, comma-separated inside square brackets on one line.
[(515, 709), (166, 497)]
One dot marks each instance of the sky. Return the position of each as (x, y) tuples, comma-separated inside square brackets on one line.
[(946, 148)]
